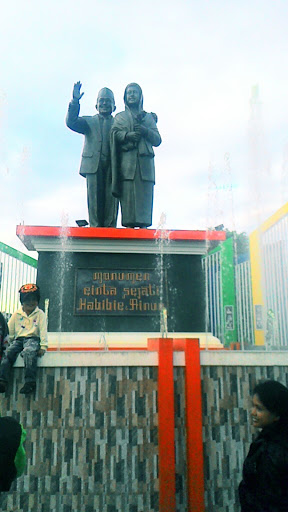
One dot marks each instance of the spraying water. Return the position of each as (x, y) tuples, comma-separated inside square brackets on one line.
[(63, 267), (103, 342), (162, 240)]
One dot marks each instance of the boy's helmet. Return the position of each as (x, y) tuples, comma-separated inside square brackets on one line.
[(28, 291)]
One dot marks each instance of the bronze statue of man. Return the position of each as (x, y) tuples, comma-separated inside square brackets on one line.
[(96, 159), (133, 135)]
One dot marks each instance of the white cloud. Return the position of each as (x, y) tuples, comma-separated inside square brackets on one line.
[(196, 62)]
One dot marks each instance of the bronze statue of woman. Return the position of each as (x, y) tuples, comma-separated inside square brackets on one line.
[(133, 135)]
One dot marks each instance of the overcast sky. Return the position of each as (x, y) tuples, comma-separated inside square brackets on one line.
[(215, 72)]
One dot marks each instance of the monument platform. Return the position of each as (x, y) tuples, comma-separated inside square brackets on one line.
[(118, 280), (119, 341), (85, 239)]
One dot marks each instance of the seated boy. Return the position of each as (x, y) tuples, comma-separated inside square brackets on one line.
[(28, 335)]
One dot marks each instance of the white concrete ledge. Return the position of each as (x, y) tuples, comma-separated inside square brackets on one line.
[(243, 358), (96, 358), (120, 340), (42, 244), (145, 358)]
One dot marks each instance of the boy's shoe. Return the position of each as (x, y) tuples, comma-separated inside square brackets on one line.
[(28, 387), (3, 386)]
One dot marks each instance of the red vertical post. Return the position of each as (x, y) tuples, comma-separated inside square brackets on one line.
[(195, 461), (166, 423)]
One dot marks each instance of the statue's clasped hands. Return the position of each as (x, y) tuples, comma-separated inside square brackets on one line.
[(133, 136), (139, 131), (139, 128)]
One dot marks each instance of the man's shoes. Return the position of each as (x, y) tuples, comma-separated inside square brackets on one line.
[(3, 386), (28, 388)]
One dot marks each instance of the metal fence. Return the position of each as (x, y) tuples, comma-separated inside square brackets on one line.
[(260, 287), (229, 306), (269, 276), (274, 244), (16, 269), (244, 304), (214, 304)]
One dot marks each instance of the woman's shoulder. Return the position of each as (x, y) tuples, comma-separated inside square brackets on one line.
[(121, 115), (150, 119), (277, 448), (120, 120)]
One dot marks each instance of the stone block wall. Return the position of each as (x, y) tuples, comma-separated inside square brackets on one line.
[(92, 440), (92, 437)]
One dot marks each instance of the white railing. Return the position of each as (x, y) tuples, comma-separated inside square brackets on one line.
[(16, 269), (212, 265), (212, 268), (244, 304), (274, 245)]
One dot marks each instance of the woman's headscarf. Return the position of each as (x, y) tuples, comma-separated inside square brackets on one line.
[(140, 106)]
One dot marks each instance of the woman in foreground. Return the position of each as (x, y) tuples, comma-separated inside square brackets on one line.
[(264, 487)]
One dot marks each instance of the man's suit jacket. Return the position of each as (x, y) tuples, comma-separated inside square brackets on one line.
[(90, 127)]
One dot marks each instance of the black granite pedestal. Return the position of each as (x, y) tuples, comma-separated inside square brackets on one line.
[(120, 280)]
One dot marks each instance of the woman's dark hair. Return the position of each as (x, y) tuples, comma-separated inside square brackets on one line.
[(29, 291), (274, 396)]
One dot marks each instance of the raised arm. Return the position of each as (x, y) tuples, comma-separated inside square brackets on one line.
[(77, 94), (73, 121)]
